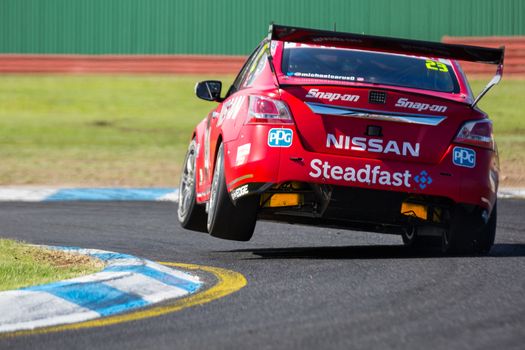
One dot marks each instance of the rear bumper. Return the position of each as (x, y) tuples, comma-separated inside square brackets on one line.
[(264, 164)]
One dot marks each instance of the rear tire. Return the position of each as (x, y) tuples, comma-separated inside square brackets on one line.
[(468, 234), (192, 216), (486, 236), (226, 220), (417, 243)]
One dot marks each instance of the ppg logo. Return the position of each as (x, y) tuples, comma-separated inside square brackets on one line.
[(280, 137), (465, 157)]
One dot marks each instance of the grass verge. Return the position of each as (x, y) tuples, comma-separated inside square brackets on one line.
[(505, 106), (96, 130), (103, 130), (23, 265)]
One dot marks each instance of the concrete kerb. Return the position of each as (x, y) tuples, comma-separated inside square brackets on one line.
[(126, 283), (511, 193), (45, 194), (168, 194)]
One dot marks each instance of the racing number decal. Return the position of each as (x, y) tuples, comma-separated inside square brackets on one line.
[(433, 65)]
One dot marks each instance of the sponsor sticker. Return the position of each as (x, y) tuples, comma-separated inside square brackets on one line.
[(324, 76), (278, 137), (367, 174), (242, 154), (230, 108), (464, 157), (331, 96), (239, 192), (373, 175), (372, 145), (423, 179), (419, 106)]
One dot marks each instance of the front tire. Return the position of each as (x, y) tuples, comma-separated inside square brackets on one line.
[(226, 220), (192, 216)]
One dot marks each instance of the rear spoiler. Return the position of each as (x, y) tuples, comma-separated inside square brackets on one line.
[(395, 45)]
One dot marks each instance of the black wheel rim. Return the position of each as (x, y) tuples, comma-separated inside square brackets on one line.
[(409, 233)]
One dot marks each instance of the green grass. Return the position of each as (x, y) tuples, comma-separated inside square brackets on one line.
[(103, 130), (505, 105), (96, 130), (22, 265)]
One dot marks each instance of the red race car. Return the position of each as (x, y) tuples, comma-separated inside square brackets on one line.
[(350, 131)]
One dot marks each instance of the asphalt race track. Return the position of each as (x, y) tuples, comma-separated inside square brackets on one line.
[(308, 288)]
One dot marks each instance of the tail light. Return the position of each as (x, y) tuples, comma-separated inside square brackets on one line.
[(267, 110), (476, 133)]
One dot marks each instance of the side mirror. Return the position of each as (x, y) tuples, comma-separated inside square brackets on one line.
[(209, 90)]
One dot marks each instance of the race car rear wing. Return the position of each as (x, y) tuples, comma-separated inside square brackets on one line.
[(395, 45)]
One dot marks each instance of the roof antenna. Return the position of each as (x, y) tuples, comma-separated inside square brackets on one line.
[(335, 29)]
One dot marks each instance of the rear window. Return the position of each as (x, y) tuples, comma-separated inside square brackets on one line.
[(369, 67)]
